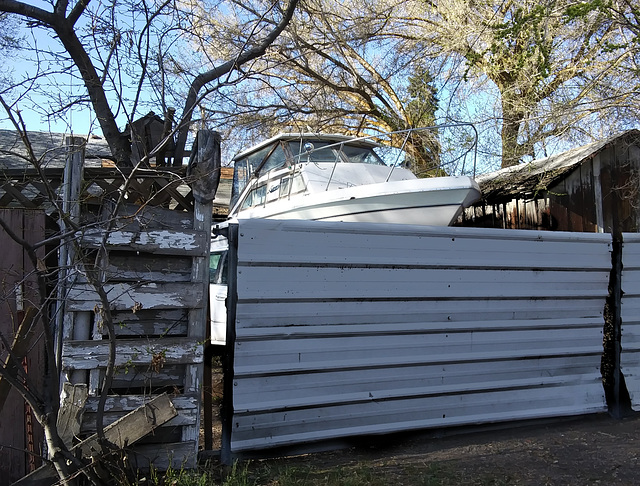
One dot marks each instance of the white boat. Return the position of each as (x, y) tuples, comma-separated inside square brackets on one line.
[(338, 178), (330, 178)]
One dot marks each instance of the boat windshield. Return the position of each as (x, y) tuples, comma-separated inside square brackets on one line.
[(278, 155), (332, 152), (244, 169)]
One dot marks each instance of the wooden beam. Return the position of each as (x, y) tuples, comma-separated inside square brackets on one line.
[(166, 242), (133, 426), (122, 433), (71, 411), (92, 354), (123, 296)]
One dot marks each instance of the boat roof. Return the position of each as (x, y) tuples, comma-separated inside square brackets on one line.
[(328, 137)]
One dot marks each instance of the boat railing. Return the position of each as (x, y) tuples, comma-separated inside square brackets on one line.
[(396, 163), (335, 164), (389, 140)]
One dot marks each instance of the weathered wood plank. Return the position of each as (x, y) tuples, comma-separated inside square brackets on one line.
[(133, 426), (170, 322), (208, 156), (138, 377), (162, 456), (147, 267), (125, 296), (166, 242), (127, 403), (134, 218), (184, 418), (124, 432), (71, 411), (155, 353), (118, 406)]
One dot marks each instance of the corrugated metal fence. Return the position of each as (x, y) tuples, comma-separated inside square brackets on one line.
[(344, 330), (630, 316)]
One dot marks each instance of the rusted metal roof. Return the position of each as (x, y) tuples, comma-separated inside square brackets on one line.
[(539, 174)]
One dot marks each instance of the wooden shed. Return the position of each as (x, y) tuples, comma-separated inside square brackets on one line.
[(593, 188)]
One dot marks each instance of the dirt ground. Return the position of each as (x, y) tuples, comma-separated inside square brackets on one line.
[(592, 450), (572, 451), (577, 451)]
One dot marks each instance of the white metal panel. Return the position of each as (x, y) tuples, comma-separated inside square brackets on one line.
[(347, 329), (630, 314)]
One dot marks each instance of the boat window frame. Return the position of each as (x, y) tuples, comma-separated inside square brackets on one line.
[(288, 163), (218, 276), (244, 161), (336, 148), (253, 190)]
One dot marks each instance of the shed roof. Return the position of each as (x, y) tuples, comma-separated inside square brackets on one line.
[(49, 148), (539, 174)]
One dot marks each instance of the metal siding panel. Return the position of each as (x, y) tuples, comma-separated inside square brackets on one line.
[(630, 314), (347, 329)]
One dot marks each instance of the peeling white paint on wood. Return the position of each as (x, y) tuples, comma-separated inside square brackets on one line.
[(147, 295), (167, 242), (156, 277), (89, 355), (186, 407)]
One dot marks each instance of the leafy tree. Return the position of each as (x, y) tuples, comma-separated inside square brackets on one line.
[(550, 70), (341, 67)]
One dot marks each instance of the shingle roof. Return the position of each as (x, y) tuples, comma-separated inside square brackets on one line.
[(539, 174), (49, 148)]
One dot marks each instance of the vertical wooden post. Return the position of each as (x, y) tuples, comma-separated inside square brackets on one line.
[(618, 390), (232, 300), (616, 408), (64, 326), (204, 175), (207, 384)]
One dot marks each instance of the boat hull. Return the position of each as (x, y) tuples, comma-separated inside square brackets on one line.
[(432, 202)]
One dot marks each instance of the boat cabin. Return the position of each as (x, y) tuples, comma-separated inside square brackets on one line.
[(273, 164)]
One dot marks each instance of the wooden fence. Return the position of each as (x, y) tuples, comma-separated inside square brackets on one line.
[(155, 275), (20, 435)]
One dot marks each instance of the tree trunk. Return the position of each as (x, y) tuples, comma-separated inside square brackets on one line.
[(512, 151), (57, 451)]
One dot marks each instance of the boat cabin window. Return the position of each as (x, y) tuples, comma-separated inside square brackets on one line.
[(323, 153), (284, 153), (276, 160), (244, 169), (318, 154), (361, 155), (217, 267), (255, 197)]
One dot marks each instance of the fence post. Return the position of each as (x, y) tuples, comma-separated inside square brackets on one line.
[(203, 174), (72, 180), (616, 291), (226, 456)]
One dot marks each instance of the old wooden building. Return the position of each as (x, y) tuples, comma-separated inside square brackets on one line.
[(593, 188)]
